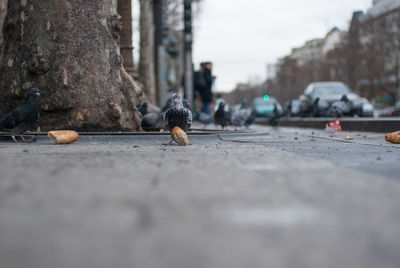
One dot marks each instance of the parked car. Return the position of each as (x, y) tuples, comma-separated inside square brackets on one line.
[(265, 107), (318, 97)]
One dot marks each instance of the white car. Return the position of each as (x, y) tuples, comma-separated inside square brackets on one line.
[(328, 93)]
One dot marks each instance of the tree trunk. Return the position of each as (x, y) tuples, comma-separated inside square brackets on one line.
[(3, 11), (69, 49), (125, 10), (146, 60)]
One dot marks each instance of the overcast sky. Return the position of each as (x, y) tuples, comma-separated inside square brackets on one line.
[(242, 36)]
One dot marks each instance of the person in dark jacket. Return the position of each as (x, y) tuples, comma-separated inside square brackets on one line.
[(203, 81)]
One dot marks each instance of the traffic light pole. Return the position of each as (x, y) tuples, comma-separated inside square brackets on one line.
[(187, 48), (160, 53)]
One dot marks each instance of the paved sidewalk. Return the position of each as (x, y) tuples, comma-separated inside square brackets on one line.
[(278, 198)]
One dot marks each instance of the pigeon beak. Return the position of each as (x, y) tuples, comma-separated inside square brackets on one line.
[(37, 94)]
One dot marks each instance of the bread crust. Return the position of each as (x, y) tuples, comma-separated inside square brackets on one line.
[(179, 136), (393, 137), (63, 136)]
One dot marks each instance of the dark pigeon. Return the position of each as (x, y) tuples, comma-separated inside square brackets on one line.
[(313, 109), (147, 108), (143, 108), (177, 113), (274, 120), (222, 117), (168, 104), (23, 117)]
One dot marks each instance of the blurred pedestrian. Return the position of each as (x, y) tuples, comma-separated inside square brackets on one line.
[(203, 83)]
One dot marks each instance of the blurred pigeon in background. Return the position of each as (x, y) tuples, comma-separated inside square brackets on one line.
[(152, 120), (274, 120), (240, 116), (222, 117), (250, 120), (202, 117), (313, 109), (23, 117), (340, 108)]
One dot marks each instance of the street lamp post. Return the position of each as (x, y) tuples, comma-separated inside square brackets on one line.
[(187, 48), (160, 52)]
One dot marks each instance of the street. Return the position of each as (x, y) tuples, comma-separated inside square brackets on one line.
[(273, 197)]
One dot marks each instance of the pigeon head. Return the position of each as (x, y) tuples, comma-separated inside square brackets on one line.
[(221, 105), (344, 98), (177, 101), (244, 103), (34, 92), (33, 95)]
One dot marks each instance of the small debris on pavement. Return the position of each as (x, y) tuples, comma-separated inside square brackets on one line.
[(349, 138), (333, 127), (393, 137)]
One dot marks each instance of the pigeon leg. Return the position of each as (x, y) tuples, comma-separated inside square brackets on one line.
[(171, 142), (14, 139), (23, 139)]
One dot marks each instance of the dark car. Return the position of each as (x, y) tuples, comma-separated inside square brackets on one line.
[(264, 107), (318, 97)]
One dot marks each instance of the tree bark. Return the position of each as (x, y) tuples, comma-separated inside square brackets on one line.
[(146, 57), (69, 49), (125, 10), (3, 11)]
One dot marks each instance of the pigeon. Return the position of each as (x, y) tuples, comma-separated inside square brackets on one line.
[(147, 108), (240, 116), (313, 109), (274, 120), (176, 114), (152, 120), (23, 117), (143, 108), (202, 117), (250, 120), (222, 117), (340, 108), (168, 104)]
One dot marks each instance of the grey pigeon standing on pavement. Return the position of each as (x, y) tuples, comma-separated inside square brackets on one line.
[(340, 108), (202, 117), (222, 117), (152, 120), (176, 114), (240, 116), (23, 117), (250, 120)]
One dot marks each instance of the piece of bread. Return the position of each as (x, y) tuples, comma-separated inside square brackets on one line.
[(179, 136), (393, 137), (62, 136)]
